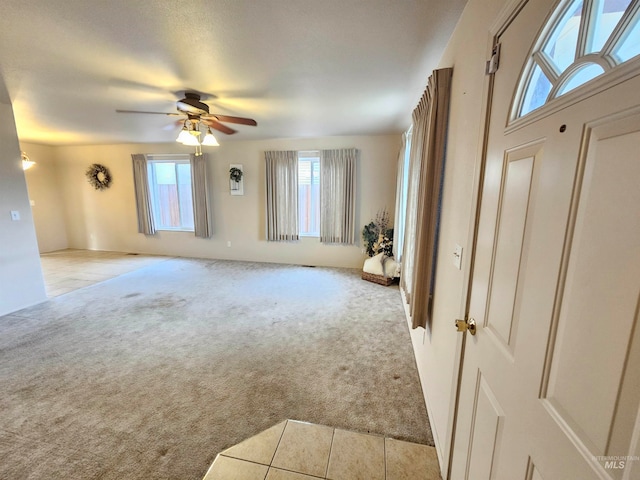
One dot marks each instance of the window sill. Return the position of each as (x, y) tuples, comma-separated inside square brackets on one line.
[(175, 230)]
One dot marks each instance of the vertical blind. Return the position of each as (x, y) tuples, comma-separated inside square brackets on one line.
[(309, 193)]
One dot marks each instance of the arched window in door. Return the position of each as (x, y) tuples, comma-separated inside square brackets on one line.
[(582, 40)]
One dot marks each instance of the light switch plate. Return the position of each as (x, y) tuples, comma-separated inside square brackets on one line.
[(15, 215), (457, 257)]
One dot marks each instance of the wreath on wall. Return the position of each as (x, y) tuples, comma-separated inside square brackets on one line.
[(98, 176)]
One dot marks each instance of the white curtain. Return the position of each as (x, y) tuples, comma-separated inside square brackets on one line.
[(282, 196), (430, 119), (201, 212), (338, 196), (143, 198)]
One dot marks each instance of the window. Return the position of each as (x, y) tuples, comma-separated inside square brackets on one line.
[(313, 194), (170, 191), (584, 39), (309, 193), (401, 210)]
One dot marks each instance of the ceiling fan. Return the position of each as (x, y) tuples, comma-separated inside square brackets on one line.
[(198, 112)]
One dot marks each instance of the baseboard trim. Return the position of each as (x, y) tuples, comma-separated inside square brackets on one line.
[(417, 334)]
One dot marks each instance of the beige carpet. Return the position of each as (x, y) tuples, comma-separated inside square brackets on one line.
[(149, 375)]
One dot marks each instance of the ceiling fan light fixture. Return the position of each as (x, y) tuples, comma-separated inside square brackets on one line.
[(26, 162), (191, 140), (184, 136), (209, 140)]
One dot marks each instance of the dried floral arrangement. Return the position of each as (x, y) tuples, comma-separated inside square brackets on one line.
[(377, 236)]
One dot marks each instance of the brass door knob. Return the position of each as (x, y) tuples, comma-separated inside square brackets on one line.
[(464, 325)]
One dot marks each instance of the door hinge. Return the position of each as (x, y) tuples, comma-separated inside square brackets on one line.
[(494, 61)]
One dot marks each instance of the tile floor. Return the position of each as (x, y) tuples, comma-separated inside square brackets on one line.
[(294, 450), (68, 270)]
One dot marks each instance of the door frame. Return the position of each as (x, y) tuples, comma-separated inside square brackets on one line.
[(506, 16)]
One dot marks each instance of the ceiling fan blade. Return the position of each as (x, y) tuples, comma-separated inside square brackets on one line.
[(152, 113), (218, 126), (229, 119)]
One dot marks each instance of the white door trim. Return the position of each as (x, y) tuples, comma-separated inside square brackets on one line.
[(503, 20)]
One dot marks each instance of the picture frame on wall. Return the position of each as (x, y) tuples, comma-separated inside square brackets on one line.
[(236, 179)]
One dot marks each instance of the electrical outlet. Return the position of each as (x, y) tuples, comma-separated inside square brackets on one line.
[(228, 243), (15, 215)]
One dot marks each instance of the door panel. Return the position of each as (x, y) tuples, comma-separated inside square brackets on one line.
[(488, 417), (533, 473), (597, 341), (502, 318)]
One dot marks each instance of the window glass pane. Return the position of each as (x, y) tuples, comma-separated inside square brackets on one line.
[(580, 76), (629, 46), (607, 13), (165, 173), (166, 196), (402, 212), (304, 172), (309, 195), (184, 195), (561, 46), (170, 187), (538, 90)]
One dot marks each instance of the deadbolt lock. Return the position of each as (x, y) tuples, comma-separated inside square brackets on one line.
[(464, 325)]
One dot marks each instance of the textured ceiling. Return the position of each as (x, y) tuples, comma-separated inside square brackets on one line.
[(301, 68)]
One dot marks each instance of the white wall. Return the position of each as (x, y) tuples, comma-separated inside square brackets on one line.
[(45, 194), (21, 283), (106, 220), (437, 350)]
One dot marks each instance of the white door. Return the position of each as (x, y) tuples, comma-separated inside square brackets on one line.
[(550, 386)]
